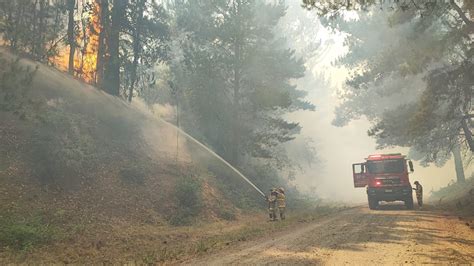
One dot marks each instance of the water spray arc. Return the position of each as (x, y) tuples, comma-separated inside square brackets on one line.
[(218, 157)]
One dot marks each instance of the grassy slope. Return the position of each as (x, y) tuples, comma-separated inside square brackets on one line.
[(83, 170), (456, 197), (85, 177)]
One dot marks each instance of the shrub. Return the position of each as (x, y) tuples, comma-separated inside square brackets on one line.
[(189, 201), (15, 81), (23, 234), (228, 215), (453, 190), (132, 175), (62, 147)]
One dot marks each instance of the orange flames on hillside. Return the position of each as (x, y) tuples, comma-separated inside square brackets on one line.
[(87, 41)]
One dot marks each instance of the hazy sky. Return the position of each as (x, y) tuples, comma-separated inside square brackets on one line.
[(339, 147)]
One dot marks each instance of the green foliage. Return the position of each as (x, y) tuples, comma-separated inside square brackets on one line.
[(188, 201), (62, 147), (204, 246), (15, 83), (23, 234), (333, 9), (232, 51), (166, 254), (233, 79), (38, 29), (151, 40), (149, 258), (226, 214), (32, 27), (415, 87), (454, 190), (161, 255), (60, 142), (235, 189), (132, 175), (66, 139)]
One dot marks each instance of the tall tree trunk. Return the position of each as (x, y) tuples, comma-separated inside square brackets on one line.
[(50, 50), (458, 164), (236, 123), (9, 21), (80, 70), (17, 25), (18, 42), (136, 47), (40, 42), (70, 35), (112, 70), (101, 50), (236, 140), (467, 132), (35, 31)]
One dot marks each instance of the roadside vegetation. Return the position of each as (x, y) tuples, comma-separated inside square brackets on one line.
[(94, 167), (189, 201), (248, 229), (86, 166), (457, 197), (50, 238), (25, 233)]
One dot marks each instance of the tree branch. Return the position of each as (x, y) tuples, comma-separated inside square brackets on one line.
[(53, 45), (415, 5), (467, 134), (463, 16)]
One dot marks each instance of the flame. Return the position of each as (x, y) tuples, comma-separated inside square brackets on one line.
[(85, 57), (60, 61), (88, 60)]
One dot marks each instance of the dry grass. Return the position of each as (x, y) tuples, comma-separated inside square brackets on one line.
[(456, 197), (119, 241), (104, 174)]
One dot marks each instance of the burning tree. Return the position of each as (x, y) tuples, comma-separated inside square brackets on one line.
[(99, 42)]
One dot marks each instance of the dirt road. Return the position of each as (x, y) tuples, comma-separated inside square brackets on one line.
[(360, 236)]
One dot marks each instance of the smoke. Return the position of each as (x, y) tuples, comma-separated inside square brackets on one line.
[(337, 147), (141, 129)]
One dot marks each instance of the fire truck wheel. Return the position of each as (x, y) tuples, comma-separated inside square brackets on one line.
[(373, 203), (409, 203)]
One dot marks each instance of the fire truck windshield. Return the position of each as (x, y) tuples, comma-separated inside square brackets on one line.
[(386, 166)]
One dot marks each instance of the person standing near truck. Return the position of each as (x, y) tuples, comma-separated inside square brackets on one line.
[(419, 193)]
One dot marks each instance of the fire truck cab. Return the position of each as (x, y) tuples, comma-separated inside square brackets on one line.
[(386, 178)]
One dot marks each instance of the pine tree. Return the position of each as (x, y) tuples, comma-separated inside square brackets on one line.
[(416, 86), (71, 38), (238, 77), (112, 66)]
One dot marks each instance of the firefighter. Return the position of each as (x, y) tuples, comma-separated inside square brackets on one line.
[(281, 202), (272, 204), (419, 193)]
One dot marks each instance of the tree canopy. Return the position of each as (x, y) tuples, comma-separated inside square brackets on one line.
[(411, 72), (221, 63)]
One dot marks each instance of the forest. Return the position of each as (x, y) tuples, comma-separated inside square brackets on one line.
[(218, 62), (231, 77), (415, 86), (152, 128)]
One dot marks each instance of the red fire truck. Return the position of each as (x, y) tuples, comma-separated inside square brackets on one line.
[(386, 178)]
